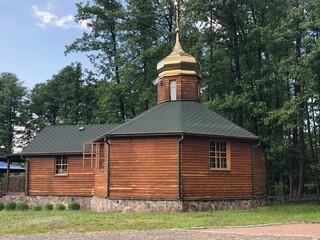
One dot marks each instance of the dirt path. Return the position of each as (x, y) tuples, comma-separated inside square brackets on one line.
[(293, 231)]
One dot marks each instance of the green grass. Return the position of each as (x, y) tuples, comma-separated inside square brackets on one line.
[(31, 222)]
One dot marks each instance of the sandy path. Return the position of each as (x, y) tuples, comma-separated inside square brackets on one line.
[(311, 230)]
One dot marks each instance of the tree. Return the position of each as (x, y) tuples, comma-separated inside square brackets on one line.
[(12, 95), (102, 42), (60, 100)]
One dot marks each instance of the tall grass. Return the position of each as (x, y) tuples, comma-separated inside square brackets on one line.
[(31, 222)]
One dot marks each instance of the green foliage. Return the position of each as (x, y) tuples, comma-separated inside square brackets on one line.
[(48, 207), (1, 206), (12, 95), (37, 208), (73, 206), (61, 98), (21, 206), (259, 68), (10, 206), (60, 207)]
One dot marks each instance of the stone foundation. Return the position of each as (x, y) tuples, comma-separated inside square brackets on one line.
[(85, 202), (194, 206), (106, 205), (138, 206)]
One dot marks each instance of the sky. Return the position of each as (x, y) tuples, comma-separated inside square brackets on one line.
[(33, 36)]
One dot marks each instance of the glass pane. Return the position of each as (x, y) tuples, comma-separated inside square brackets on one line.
[(223, 163), (218, 163), (65, 160), (223, 154), (212, 154), (212, 146), (223, 147), (58, 161), (212, 163)]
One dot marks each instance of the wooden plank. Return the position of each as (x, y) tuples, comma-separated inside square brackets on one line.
[(43, 181), (198, 181), (144, 168)]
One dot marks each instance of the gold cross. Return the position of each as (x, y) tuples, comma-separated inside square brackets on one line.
[(176, 5)]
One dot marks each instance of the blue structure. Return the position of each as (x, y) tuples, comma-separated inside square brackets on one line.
[(13, 168)]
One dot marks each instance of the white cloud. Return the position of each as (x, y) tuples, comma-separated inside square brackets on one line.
[(47, 18)]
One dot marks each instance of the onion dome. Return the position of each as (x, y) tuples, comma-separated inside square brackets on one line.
[(178, 62)]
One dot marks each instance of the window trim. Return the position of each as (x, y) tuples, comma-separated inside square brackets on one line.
[(228, 155), (61, 164)]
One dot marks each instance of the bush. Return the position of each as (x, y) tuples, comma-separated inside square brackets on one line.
[(1, 206), (74, 206), (37, 208), (22, 206), (48, 207), (10, 206), (60, 207)]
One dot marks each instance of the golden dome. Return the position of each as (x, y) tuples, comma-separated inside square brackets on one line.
[(178, 62)]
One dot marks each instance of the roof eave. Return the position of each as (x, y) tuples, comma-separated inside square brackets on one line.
[(139, 134), (27, 154)]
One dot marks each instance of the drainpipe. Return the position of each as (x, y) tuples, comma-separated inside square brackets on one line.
[(179, 165), (108, 172), (253, 170)]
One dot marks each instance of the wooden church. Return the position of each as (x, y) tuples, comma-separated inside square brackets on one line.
[(177, 156)]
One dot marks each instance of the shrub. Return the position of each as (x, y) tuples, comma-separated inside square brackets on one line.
[(37, 208), (60, 207), (48, 207), (22, 206), (73, 206), (1, 206), (10, 206)]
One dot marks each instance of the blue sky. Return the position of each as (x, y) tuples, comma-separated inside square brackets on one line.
[(33, 36)]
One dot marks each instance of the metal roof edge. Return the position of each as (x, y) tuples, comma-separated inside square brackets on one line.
[(49, 153), (180, 133)]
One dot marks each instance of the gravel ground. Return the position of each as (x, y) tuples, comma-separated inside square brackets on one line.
[(268, 232)]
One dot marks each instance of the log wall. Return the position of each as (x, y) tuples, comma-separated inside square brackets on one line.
[(199, 182), (144, 168), (260, 171), (101, 175), (187, 88), (43, 181)]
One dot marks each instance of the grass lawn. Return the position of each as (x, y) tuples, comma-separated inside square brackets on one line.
[(31, 222)]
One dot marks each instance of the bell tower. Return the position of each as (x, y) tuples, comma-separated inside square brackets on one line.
[(178, 74)]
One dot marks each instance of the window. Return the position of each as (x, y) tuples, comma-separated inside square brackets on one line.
[(62, 165), (173, 90), (218, 155)]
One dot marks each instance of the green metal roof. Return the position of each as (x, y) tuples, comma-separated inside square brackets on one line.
[(180, 117), (64, 138), (170, 118)]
